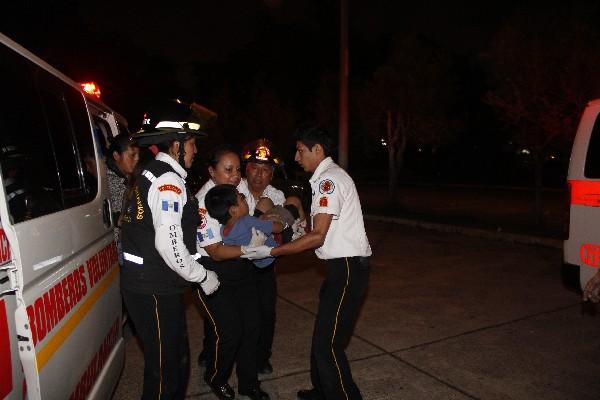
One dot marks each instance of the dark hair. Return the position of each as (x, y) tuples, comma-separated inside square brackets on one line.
[(121, 143), (314, 135), (165, 146), (219, 152), (218, 200)]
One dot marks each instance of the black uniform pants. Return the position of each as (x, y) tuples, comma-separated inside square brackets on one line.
[(340, 299), (160, 324), (266, 286), (232, 312)]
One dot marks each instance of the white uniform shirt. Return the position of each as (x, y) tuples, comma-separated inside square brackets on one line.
[(334, 193), (167, 196), (276, 195)]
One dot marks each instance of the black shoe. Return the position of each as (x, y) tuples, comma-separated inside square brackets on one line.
[(223, 392), (309, 394), (256, 393), (265, 369)]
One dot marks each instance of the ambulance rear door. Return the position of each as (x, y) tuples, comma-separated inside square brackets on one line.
[(68, 303), (582, 248)]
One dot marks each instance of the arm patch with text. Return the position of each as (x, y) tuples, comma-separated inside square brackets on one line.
[(171, 188)]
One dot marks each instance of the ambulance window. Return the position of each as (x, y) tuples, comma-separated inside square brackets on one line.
[(70, 132), (45, 134), (101, 133), (27, 157), (592, 160)]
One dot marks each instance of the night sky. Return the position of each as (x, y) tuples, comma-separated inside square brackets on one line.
[(265, 65), (112, 42)]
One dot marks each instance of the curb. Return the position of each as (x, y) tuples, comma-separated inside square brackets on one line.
[(474, 232)]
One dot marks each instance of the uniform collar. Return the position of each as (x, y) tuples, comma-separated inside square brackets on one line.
[(323, 165), (174, 164)]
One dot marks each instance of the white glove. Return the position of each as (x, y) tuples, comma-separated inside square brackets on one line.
[(256, 252), (210, 283), (258, 238)]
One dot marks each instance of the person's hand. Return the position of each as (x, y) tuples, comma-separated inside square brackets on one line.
[(258, 238), (592, 289), (211, 283), (256, 252)]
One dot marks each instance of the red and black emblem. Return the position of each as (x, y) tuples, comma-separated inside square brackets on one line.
[(326, 186)]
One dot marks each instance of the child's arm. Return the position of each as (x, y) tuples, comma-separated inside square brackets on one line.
[(280, 217), (278, 224)]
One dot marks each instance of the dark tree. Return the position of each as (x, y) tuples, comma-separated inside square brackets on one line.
[(543, 64), (410, 99)]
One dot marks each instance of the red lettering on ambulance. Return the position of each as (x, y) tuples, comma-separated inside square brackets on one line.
[(66, 295), (50, 308), (31, 317), (40, 319), (76, 289), (82, 283), (72, 291), (590, 254), (91, 268), (60, 303), (101, 263)]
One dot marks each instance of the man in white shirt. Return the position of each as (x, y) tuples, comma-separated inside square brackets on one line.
[(338, 236), (260, 166)]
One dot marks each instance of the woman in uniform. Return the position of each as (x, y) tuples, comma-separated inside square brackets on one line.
[(232, 316), (158, 235)]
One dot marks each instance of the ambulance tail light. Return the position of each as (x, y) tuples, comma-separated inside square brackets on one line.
[(91, 88), (585, 193)]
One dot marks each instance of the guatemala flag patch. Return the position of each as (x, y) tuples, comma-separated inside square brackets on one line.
[(170, 205)]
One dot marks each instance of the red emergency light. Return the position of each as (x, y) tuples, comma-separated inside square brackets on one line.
[(91, 88)]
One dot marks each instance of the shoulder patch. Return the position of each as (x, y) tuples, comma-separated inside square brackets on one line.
[(202, 213), (171, 188), (323, 202), (326, 186)]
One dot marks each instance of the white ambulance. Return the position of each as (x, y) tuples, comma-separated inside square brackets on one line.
[(582, 248), (60, 305)]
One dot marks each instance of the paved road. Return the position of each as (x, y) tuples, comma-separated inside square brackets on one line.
[(446, 317)]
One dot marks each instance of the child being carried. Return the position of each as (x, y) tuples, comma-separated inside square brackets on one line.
[(225, 204)]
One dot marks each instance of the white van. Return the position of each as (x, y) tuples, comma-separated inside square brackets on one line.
[(60, 304), (582, 248)]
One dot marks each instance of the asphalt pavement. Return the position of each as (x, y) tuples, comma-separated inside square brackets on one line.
[(447, 316)]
